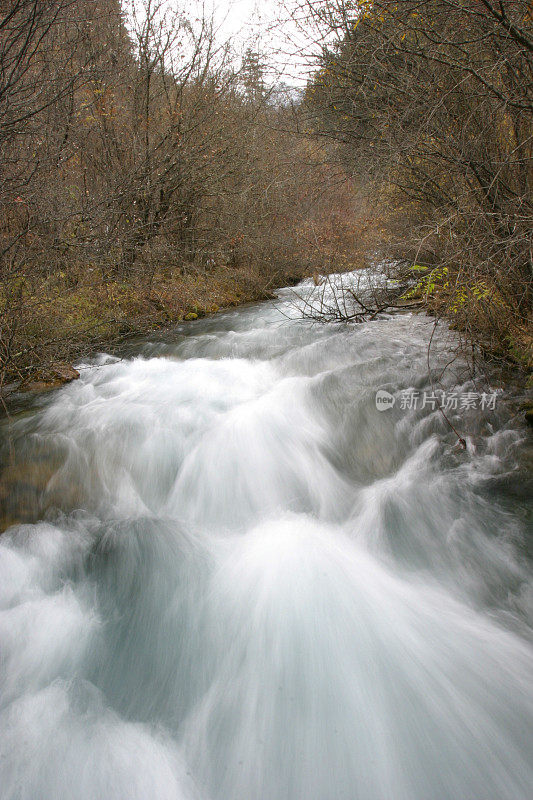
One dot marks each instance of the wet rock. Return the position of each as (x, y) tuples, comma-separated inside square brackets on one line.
[(50, 378), (32, 474), (22, 487), (527, 408)]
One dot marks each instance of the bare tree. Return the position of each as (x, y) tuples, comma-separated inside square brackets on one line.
[(436, 99)]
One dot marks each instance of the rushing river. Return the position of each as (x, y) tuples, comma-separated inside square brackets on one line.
[(246, 582)]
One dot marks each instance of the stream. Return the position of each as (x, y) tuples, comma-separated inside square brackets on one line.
[(241, 579)]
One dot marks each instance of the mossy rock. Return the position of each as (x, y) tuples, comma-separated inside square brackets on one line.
[(191, 315), (50, 378)]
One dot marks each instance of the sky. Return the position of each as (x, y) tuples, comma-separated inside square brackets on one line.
[(266, 24)]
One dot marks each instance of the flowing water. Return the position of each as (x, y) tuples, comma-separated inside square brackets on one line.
[(245, 582)]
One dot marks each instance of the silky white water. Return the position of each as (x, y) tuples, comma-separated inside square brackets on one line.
[(247, 583)]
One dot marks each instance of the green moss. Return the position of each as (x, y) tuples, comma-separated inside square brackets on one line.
[(66, 318)]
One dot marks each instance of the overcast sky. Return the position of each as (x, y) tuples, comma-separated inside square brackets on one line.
[(267, 24), (264, 25)]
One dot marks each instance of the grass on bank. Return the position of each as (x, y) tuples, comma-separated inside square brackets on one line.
[(54, 321)]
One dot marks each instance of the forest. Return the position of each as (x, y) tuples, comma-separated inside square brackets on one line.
[(149, 175)]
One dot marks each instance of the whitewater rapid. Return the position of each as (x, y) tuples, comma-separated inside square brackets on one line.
[(246, 582)]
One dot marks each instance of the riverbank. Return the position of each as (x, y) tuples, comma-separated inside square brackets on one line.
[(63, 323), (70, 323)]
